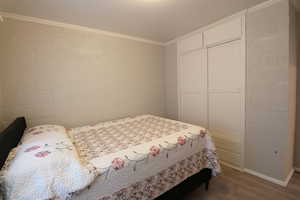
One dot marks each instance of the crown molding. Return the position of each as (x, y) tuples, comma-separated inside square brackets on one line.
[(138, 39), (74, 27), (170, 42)]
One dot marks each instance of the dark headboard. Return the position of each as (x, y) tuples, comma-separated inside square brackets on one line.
[(11, 137)]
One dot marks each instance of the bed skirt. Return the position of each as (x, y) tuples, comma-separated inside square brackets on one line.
[(151, 187)]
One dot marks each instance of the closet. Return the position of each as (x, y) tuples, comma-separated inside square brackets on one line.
[(240, 83), (211, 92)]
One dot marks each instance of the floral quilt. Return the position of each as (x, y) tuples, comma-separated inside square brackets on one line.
[(107, 138), (161, 182), (129, 152), (132, 158)]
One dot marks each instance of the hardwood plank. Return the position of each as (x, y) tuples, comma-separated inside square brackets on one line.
[(235, 185)]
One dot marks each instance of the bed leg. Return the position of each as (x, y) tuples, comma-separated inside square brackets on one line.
[(207, 185)]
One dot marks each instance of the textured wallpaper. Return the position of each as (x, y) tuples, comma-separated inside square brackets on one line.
[(267, 103), (297, 144), (171, 81), (73, 78)]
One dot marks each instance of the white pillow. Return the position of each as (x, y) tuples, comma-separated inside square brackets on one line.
[(44, 132), (45, 166)]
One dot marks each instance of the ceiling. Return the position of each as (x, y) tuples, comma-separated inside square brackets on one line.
[(158, 20)]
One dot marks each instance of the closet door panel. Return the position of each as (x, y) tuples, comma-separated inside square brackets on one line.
[(191, 43), (225, 71), (225, 114), (229, 157), (230, 30), (193, 109), (226, 76), (193, 87), (227, 145), (191, 70)]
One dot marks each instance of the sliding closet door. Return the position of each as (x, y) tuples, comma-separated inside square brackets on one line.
[(193, 87), (226, 74)]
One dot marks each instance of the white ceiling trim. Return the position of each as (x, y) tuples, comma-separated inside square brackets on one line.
[(138, 39), (74, 27)]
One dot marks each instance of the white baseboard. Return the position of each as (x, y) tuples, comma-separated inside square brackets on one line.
[(263, 176), (271, 179)]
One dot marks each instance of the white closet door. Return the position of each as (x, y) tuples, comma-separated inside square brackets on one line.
[(226, 76), (193, 88)]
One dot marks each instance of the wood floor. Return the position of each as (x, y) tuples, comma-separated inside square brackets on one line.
[(235, 185)]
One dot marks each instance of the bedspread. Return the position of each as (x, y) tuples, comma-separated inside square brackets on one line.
[(131, 151)]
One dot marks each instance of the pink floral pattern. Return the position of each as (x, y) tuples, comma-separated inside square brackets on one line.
[(154, 150), (181, 140), (202, 133), (32, 148), (118, 163), (114, 137), (209, 160), (105, 198), (153, 186), (37, 133), (43, 129), (32, 129), (42, 154)]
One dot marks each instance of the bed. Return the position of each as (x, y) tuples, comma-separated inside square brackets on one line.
[(140, 157)]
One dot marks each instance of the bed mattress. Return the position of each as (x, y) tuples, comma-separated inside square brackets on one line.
[(142, 157)]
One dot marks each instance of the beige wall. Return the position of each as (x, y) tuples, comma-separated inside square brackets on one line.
[(171, 100), (1, 79), (1, 98), (297, 144), (268, 138), (63, 76)]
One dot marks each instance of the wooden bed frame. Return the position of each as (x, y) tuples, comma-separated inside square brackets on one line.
[(10, 138), (190, 184)]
